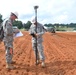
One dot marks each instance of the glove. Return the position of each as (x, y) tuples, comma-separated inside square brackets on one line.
[(33, 35)]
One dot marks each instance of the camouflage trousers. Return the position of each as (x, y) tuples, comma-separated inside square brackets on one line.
[(40, 53), (8, 52)]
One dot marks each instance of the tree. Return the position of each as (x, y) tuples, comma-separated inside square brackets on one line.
[(27, 25), (18, 24)]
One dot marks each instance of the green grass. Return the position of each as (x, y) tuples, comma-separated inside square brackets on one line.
[(64, 29)]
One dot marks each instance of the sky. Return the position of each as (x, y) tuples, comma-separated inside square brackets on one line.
[(49, 11)]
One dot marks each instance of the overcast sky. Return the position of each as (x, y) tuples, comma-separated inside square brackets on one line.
[(49, 11)]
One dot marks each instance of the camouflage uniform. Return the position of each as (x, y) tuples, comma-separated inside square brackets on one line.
[(40, 32), (8, 40), (0, 26)]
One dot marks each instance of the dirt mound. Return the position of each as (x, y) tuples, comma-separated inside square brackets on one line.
[(59, 49)]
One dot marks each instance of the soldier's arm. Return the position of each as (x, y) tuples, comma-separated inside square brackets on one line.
[(31, 32), (42, 32), (9, 30)]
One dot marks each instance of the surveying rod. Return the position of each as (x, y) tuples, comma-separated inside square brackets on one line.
[(35, 8)]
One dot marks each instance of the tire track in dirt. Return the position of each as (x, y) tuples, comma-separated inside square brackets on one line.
[(54, 49), (65, 46), (63, 50)]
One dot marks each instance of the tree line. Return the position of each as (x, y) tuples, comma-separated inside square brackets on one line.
[(27, 25)]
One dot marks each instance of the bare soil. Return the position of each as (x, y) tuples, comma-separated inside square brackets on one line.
[(59, 50)]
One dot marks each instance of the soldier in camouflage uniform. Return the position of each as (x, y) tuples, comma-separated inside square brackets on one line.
[(8, 39), (40, 32)]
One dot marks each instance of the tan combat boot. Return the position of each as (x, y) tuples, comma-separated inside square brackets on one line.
[(10, 66), (36, 63), (43, 64), (13, 62)]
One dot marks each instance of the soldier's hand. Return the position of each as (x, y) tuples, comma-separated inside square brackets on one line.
[(36, 35)]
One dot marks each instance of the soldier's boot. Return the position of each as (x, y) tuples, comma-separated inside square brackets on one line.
[(10, 66), (36, 63), (43, 64), (13, 62)]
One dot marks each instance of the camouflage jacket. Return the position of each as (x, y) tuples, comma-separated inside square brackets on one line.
[(8, 30), (40, 31)]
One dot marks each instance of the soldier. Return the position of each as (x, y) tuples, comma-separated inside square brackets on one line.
[(38, 35), (8, 39)]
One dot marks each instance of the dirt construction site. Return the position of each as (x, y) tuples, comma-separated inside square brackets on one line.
[(59, 50)]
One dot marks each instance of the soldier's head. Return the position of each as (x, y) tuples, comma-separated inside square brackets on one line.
[(14, 15), (33, 20)]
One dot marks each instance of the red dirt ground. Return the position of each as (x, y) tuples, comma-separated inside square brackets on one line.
[(59, 50)]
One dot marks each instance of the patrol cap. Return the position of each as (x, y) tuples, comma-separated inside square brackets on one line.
[(33, 19), (15, 13)]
